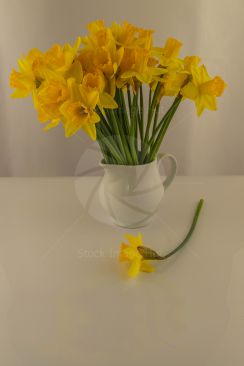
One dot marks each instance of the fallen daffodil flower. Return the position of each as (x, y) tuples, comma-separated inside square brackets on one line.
[(140, 256)]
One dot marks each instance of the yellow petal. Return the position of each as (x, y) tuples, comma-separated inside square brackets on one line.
[(209, 102), (24, 65), (52, 124), (172, 48), (214, 87), (108, 101), (70, 128), (74, 89), (130, 252), (205, 101), (190, 91), (157, 71), (134, 267), (122, 255), (200, 75), (94, 118), (112, 86), (89, 97), (120, 54), (135, 241), (128, 74), (95, 26), (20, 93), (77, 44), (191, 61), (90, 129), (75, 72), (146, 267)]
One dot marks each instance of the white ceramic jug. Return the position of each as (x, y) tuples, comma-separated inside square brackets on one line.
[(131, 194)]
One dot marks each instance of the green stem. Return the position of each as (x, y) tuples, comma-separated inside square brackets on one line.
[(149, 254), (141, 119), (133, 126), (104, 151), (148, 111), (123, 108), (166, 122), (104, 121), (109, 142), (119, 111), (129, 99), (124, 140), (155, 122), (153, 101), (151, 109), (117, 134), (190, 232)]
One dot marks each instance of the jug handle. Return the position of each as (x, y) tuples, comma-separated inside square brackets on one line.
[(169, 179)]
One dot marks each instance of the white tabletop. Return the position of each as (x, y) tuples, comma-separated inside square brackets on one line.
[(65, 300)]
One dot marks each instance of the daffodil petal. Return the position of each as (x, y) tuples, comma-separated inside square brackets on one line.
[(90, 129), (75, 72), (71, 128), (107, 101), (52, 124), (135, 241), (190, 91), (146, 267), (123, 255), (134, 268)]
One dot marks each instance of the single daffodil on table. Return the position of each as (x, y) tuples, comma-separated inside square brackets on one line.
[(139, 256), (129, 252)]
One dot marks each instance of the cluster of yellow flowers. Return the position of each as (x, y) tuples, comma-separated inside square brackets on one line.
[(69, 84)]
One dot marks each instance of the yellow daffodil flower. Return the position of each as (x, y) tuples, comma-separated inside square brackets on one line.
[(86, 57), (104, 62), (48, 99), (128, 35), (94, 27), (129, 252), (33, 67), (172, 48), (97, 82), (29, 76), (99, 35), (93, 81), (190, 62), (136, 65), (79, 111), (108, 62), (102, 53), (203, 90), (59, 58), (169, 53), (177, 75), (106, 56), (23, 82), (172, 83)]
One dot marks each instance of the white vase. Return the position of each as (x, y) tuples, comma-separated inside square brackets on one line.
[(131, 194)]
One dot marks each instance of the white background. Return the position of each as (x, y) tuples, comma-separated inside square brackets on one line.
[(213, 29)]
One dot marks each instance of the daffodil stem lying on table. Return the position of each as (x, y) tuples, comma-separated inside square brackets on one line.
[(149, 254)]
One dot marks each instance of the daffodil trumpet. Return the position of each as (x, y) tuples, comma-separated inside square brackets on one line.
[(97, 85), (140, 256)]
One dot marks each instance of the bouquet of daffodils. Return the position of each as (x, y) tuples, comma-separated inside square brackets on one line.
[(99, 88)]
